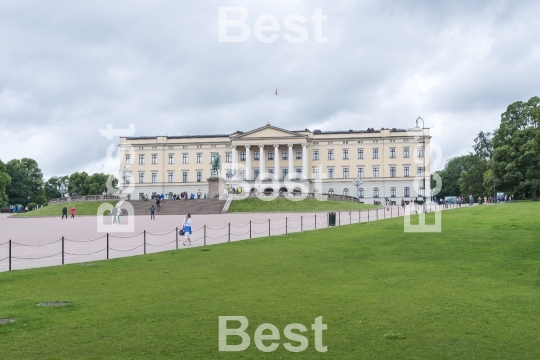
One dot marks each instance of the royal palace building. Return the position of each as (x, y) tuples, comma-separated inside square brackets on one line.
[(388, 161)]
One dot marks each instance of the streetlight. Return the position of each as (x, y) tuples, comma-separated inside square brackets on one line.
[(357, 182), (124, 176), (423, 142)]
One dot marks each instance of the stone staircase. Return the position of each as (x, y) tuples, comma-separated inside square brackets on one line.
[(181, 207)]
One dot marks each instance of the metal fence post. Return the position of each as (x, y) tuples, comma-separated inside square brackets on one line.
[(391, 212), (285, 225), (9, 255), (268, 227), (315, 221), (107, 246), (377, 214), (359, 216), (250, 229), (368, 215), (229, 232), (62, 250), (204, 234), (350, 218), (145, 242), (177, 238), (301, 223), (339, 216)]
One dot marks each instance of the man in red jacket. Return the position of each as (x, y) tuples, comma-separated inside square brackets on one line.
[(73, 212)]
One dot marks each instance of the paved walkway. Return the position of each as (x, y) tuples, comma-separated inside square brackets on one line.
[(37, 242)]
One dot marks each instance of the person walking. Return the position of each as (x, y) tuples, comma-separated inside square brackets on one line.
[(64, 212), (186, 226), (118, 213), (73, 212), (113, 213), (199, 193), (152, 210), (158, 203)]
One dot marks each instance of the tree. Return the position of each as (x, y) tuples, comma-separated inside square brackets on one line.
[(515, 159), (26, 181), (483, 145), (5, 180), (52, 186), (84, 184), (471, 181), (450, 176)]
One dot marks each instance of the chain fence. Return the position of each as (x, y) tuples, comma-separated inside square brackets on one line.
[(136, 244)]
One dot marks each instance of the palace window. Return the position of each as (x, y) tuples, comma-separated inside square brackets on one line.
[(298, 173), (228, 157), (330, 154), (298, 154), (256, 155), (242, 175), (361, 193), (128, 159), (285, 172), (141, 159), (346, 192), (330, 191), (154, 159), (242, 156), (171, 158), (406, 172), (420, 152), (420, 171), (375, 172), (345, 154), (315, 154), (407, 191), (392, 152), (184, 176), (375, 153), (257, 173), (184, 158), (154, 178), (199, 158), (285, 154), (315, 174), (199, 176), (330, 173), (392, 192), (406, 152), (360, 153), (171, 177), (361, 173), (270, 154), (141, 178), (376, 192), (392, 171), (345, 173)]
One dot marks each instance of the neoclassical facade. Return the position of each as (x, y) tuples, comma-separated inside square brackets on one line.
[(390, 162)]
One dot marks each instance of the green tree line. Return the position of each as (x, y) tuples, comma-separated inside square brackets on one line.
[(504, 160), (22, 182)]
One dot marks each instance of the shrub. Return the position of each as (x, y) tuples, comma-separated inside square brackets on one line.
[(32, 206)]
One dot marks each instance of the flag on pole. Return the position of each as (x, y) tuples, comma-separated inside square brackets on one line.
[(276, 92)]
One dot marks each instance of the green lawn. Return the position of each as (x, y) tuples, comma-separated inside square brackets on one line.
[(470, 292), (306, 205), (82, 208)]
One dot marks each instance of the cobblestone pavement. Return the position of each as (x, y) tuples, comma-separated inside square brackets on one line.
[(37, 242)]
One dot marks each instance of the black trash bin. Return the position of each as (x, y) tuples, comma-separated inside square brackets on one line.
[(332, 219)]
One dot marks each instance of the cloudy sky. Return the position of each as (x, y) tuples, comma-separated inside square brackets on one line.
[(69, 68)]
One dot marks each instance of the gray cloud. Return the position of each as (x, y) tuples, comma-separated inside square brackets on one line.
[(68, 69)]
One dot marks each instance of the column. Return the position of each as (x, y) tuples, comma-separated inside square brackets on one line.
[(234, 165), (276, 162), (248, 162), (262, 169), (291, 167), (305, 162)]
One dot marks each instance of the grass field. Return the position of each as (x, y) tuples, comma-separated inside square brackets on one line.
[(470, 292), (306, 205), (82, 208)]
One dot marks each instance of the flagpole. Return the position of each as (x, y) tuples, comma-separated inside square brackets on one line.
[(275, 121)]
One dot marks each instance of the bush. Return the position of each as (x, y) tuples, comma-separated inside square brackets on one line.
[(32, 206), (46, 204)]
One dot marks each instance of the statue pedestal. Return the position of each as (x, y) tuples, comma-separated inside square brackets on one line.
[(216, 185)]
